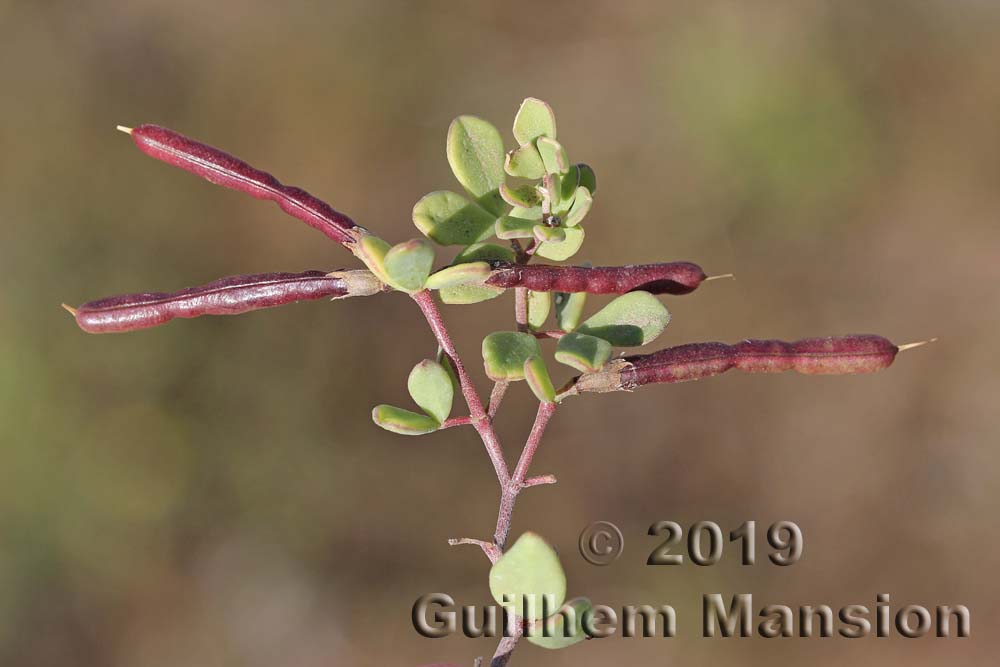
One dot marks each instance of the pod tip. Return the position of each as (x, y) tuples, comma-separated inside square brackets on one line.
[(723, 275), (123, 128), (910, 346), (69, 309)]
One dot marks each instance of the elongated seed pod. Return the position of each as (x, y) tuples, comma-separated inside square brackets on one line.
[(667, 278), (863, 353), (223, 169), (226, 296)]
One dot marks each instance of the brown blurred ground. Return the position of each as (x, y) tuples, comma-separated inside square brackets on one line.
[(214, 493)]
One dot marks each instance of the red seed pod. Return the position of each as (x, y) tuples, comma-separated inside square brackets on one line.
[(223, 169), (226, 296), (842, 355), (666, 278)]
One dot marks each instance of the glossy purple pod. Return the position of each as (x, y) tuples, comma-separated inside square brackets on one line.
[(226, 296), (223, 169), (665, 278), (842, 355)]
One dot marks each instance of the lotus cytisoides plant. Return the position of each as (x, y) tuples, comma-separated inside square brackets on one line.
[(535, 199)]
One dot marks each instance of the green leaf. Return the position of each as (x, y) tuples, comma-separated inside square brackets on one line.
[(523, 196), (484, 252), (504, 354), (403, 421), (538, 379), (569, 309), (430, 387), (408, 264), (445, 362), (581, 206), (584, 353), (553, 155), (470, 273), (529, 570), (632, 319), (451, 219), (550, 235), (534, 119), (524, 162), (372, 250), (539, 305), (476, 155), (534, 213), (588, 178), (472, 293), (566, 191), (554, 633), (463, 295), (559, 252), (509, 227)]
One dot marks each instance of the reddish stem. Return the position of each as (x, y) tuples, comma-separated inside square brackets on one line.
[(480, 419), (496, 397), (521, 308), (517, 482)]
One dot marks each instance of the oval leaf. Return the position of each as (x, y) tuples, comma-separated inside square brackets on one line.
[(566, 190), (504, 354), (403, 421), (430, 387), (509, 227), (529, 572), (484, 252), (534, 119), (476, 155), (524, 162), (569, 309), (534, 213), (559, 252), (588, 178), (553, 155), (408, 264), (372, 250), (523, 196), (584, 353), (632, 319), (546, 234), (562, 629), (581, 206), (470, 273), (461, 295), (451, 219), (537, 377), (539, 305)]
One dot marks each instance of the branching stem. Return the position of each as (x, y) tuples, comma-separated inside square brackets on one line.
[(518, 482), (496, 397), (481, 421)]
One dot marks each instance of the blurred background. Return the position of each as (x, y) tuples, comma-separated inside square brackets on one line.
[(213, 492)]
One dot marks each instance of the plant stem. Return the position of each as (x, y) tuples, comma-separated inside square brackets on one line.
[(496, 397), (502, 655), (480, 419), (542, 417), (521, 308), (510, 491)]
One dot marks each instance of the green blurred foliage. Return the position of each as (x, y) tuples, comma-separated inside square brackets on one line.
[(214, 492)]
